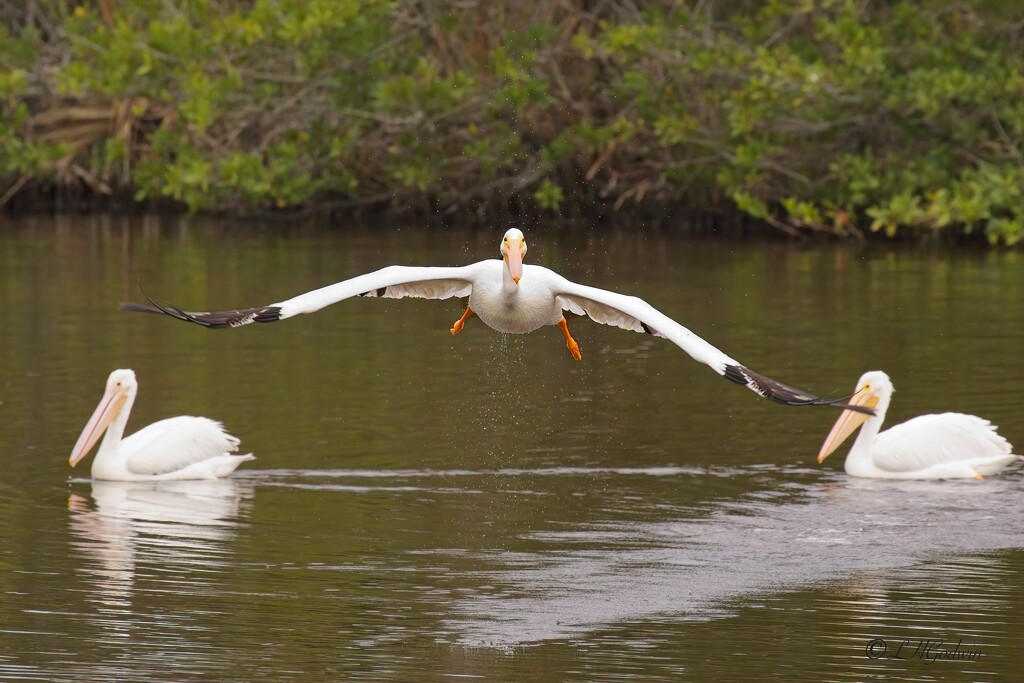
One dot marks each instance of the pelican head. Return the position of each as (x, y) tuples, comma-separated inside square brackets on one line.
[(121, 390), (513, 251), (874, 389)]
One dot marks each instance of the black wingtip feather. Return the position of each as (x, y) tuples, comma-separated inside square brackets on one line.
[(783, 393), (211, 319), (133, 307)]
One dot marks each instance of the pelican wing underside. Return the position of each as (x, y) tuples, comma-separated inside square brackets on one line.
[(426, 289), (606, 315)]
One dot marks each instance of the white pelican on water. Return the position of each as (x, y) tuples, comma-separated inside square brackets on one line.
[(176, 448), (943, 446), (509, 297)]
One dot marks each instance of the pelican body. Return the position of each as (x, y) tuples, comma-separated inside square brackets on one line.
[(943, 446), (509, 297), (176, 448)]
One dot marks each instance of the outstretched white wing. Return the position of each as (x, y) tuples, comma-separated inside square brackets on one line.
[(393, 282), (633, 313)]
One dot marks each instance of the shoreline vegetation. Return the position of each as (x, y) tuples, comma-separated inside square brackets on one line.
[(837, 117)]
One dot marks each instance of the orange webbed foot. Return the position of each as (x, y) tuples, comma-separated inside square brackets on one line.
[(461, 322), (570, 343)]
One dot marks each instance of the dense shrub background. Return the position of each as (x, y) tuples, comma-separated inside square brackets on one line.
[(813, 115)]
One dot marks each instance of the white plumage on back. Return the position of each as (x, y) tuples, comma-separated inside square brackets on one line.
[(951, 437), (175, 443)]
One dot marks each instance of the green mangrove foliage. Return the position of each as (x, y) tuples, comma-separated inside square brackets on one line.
[(840, 116)]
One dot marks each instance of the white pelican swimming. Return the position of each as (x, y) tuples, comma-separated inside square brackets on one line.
[(509, 297), (176, 448), (943, 446)]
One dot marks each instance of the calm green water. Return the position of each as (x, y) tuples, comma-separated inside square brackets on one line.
[(424, 507)]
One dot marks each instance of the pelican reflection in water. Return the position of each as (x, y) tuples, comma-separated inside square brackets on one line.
[(162, 525)]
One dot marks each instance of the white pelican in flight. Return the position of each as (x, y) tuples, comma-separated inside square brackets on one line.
[(943, 446), (175, 448), (509, 297)]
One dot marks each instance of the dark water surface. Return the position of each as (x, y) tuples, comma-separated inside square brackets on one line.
[(424, 507)]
